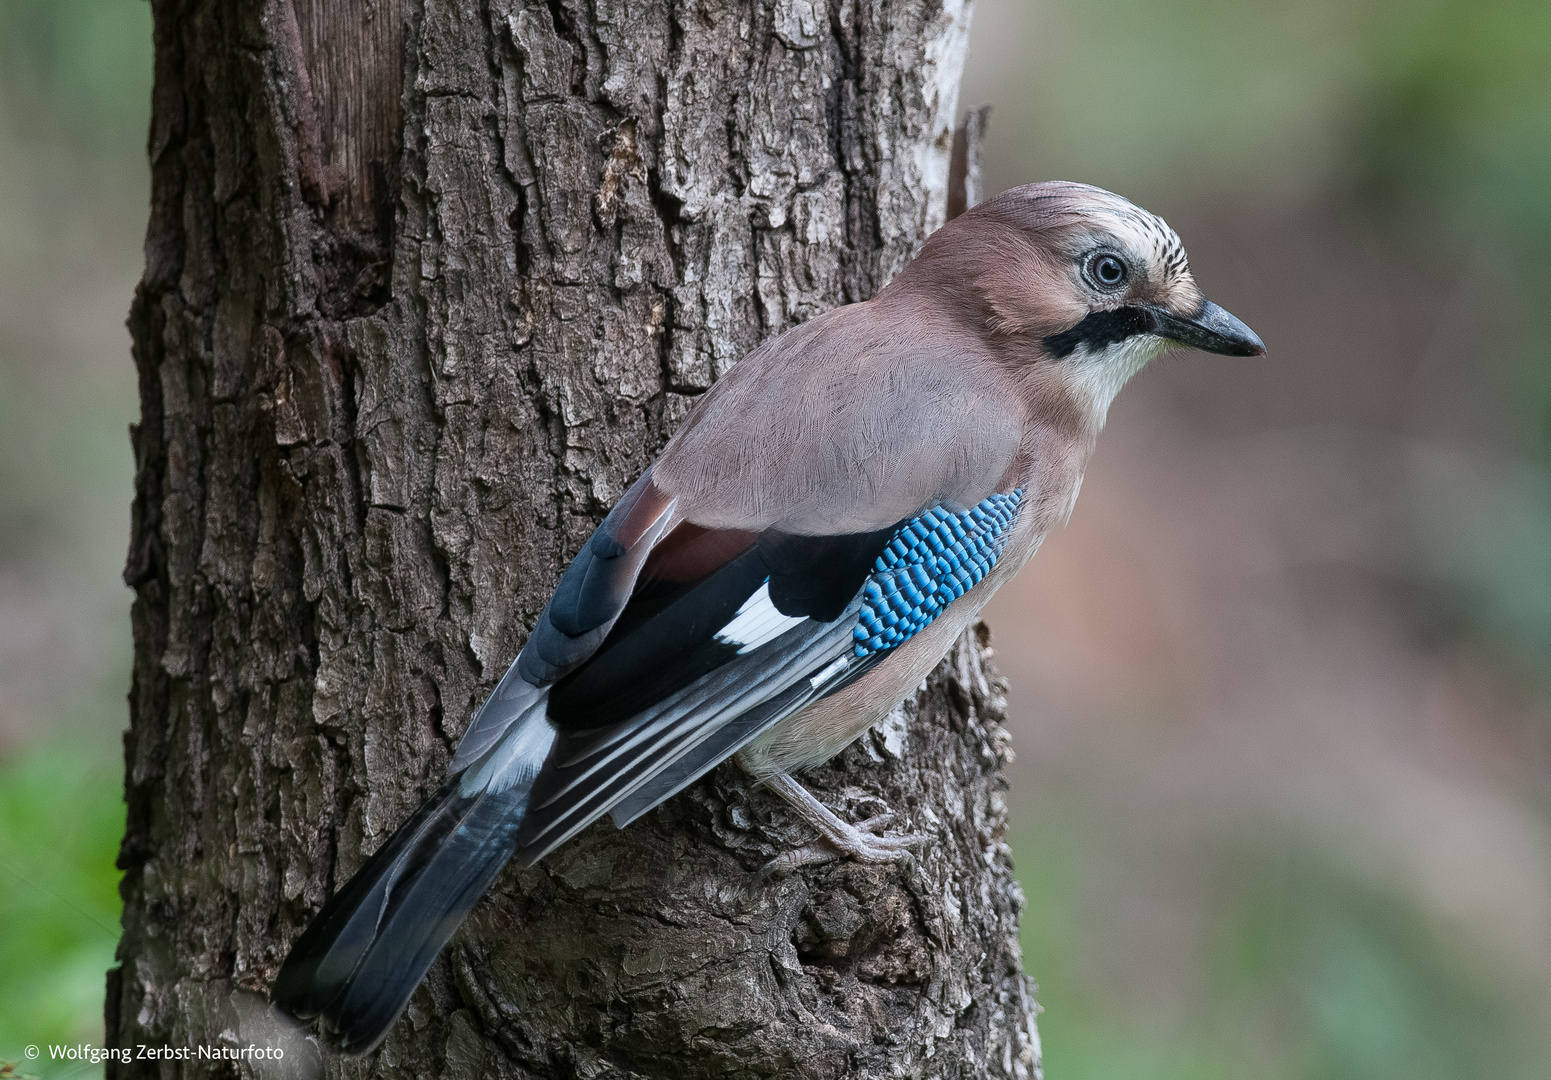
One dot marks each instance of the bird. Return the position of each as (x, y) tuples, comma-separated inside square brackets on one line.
[(826, 521)]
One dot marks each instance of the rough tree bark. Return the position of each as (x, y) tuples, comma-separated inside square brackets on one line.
[(427, 284)]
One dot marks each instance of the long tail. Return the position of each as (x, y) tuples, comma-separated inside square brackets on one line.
[(357, 964)]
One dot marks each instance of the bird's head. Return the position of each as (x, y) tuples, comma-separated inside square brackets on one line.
[(1080, 283)]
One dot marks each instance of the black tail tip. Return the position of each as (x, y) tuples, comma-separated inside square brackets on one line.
[(350, 1040)]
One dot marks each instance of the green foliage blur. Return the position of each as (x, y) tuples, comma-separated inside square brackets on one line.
[(1457, 131), (1457, 125), (1309, 970), (74, 103), (60, 825), (76, 76)]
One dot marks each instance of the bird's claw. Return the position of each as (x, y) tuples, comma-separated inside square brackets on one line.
[(860, 841), (840, 838)]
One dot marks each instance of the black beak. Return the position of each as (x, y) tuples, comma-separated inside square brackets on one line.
[(1210, 329)]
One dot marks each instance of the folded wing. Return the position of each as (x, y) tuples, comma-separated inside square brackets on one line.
[(725, 635)]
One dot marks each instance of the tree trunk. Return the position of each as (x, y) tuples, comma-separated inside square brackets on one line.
[(427, 285)]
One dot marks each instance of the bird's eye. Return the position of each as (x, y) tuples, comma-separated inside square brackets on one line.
[(1107, 271)]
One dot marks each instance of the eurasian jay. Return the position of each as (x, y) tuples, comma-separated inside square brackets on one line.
[(824, 524)]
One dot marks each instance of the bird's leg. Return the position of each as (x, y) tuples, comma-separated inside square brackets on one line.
[(857, 841)]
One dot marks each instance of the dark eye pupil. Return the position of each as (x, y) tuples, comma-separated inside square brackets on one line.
[(1109, 270)]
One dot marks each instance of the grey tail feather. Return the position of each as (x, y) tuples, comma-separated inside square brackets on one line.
[(359, 961)]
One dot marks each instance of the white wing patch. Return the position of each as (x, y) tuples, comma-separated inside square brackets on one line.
[(840, 664), (756, 623)]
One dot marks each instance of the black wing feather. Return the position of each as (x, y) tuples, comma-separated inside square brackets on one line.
[(643, 661), (818, 576)]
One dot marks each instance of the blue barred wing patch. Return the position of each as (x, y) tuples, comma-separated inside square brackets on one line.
[(931, 561)]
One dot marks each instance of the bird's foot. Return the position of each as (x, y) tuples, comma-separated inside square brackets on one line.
[(859, 841)]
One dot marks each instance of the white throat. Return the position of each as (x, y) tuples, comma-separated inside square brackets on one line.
[(1096, 376)]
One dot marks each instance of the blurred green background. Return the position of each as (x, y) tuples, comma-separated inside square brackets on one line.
[(1280, 691), (74, 101)]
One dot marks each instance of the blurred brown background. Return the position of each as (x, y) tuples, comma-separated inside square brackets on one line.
[(1279, 691)]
